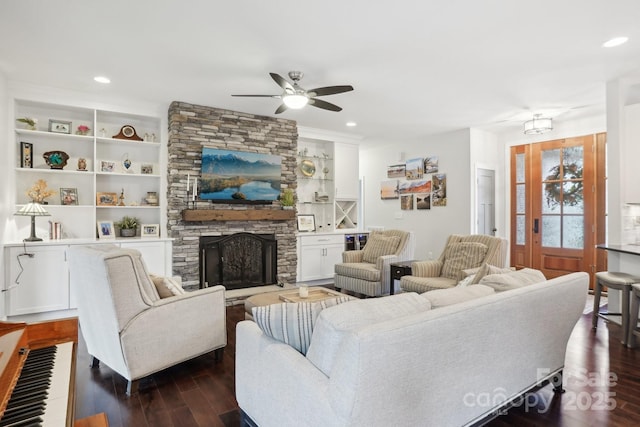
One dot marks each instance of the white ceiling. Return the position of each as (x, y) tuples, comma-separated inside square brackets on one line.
[(418, 67)]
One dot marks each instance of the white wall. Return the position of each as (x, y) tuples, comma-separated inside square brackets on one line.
[(487, 153), (431, 227)]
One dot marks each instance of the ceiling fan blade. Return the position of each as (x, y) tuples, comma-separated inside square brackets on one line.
[(324, 105), (262, 96), (329, 90), (282, 82), (281, 108)]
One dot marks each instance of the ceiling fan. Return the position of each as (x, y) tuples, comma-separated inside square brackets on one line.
[(296, 97)]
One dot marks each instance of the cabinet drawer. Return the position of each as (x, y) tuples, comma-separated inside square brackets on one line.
[(327, 239)]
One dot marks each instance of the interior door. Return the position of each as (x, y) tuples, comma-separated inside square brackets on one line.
[(557, 189), (485, 211)]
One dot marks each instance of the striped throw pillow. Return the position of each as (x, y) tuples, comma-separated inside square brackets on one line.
[(379, 245), (293, 323), (461, 256)]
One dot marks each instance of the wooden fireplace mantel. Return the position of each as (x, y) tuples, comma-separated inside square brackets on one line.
[(201, 215)]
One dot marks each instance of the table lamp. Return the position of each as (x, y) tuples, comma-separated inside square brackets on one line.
[(33, 210)]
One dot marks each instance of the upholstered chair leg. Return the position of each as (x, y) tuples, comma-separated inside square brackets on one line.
[(596, 304), (626, 292), (132, 387), (218, 353), (94, 363), (556, 380)]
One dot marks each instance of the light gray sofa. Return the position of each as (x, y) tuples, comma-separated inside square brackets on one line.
[(394, 361)]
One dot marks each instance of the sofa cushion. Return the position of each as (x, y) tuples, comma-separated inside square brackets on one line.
[(487, 269), (379, 245), (359, 270), (461, 256), (166, 286), (424, 284), (513, 280), (293, 323), (444, 297), (335, 324)]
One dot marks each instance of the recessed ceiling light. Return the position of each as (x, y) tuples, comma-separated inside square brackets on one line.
[(352, 124), (616, 41), (102, 79)]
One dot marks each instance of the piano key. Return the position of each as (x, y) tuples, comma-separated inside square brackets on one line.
[(58, 399)]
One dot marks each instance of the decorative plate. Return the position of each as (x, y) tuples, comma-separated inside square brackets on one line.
[(56, 159), (307, 167)]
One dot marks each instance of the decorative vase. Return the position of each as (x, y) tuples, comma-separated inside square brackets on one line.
[(127, 232)]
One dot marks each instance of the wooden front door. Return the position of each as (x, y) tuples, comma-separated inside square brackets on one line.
[(556, 217)]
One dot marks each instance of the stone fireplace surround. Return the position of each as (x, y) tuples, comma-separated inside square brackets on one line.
[(192, 127)]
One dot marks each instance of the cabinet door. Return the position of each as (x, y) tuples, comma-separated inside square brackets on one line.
[(154, 255), (346, 171), (631, 153), (43, 280), (311, 265), (333, 256)]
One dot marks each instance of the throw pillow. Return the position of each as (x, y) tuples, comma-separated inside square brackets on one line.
[(466, 281), (513, 280), (444, 297), (292, 323), (379, 245), (166, 286), (487, 269), (461, 256)]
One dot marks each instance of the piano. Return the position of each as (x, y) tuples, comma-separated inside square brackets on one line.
[(37, 373)]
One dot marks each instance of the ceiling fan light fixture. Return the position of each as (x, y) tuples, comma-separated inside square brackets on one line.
[(295, 101), (538, 125)]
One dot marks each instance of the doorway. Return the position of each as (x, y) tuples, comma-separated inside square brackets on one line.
[(485, 209), (557, 209)]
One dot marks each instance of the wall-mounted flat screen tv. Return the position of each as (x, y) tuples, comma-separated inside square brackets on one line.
[(239, 176)]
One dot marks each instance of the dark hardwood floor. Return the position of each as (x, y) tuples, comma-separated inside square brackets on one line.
[(200, 392)]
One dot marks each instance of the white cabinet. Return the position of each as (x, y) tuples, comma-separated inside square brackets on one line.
[(156, 255), (37, 279), (631, 153), (98, 170), (347, 180), (318, 255)]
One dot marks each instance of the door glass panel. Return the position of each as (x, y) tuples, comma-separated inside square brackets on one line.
[(520, 167), (551, 196), (573, 162), (551, 164), (551, 231), (520, 198), (520, 234), (573, 231), (573, 197)]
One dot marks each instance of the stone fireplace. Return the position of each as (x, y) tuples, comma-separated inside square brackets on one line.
[(239, 260), (192, 127)]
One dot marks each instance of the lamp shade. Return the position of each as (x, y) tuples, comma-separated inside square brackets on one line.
[(538, 125), (32, 209), (295, 101)]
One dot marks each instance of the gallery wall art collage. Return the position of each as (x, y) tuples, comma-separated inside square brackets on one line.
[(416, 183)]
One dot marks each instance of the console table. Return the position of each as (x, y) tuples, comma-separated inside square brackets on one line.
[(399, 269)]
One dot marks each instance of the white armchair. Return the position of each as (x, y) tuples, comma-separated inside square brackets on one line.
[(368, 271), (129, 327)]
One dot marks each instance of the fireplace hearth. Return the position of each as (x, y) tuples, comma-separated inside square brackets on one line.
[(239, 260)]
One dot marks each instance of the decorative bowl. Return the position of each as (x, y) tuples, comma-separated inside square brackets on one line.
[(308, 168), (56, 159)]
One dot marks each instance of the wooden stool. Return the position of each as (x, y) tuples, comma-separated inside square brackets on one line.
[(634, 330), (621, 282)]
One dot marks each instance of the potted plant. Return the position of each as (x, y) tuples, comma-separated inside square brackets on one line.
[(128, 226), (287, 198)]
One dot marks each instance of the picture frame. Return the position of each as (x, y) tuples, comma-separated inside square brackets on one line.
[(106, 230), (106, 199), (107, 166), (26, 155), (150, 230), (69, 196), (59, 126), (146, 169), (306, 222)]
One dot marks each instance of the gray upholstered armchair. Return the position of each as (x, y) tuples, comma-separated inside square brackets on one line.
[(368, 271), (460, 253), (128, 326)]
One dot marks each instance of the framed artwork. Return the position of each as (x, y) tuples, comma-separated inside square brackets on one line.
[(106, 199), (414, 168), (59, 126), (150, 230), (68, 196), (307, 222), (389, 189), (106, 230), (418, 186), (396, 171), (431, 164), (107, 166), (439, 192), (406, 202), (423, 201), (26, 155), (146, 169)]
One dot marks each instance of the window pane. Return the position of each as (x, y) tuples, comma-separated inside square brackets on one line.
[(551, 231), (573, 162), (573, 232), (551, 196), (520, 167), (573, 197), (520, 198), (551, 165), (520, 230)]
